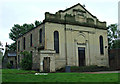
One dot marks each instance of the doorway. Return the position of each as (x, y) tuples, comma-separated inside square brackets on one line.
[(11, 62), (81, 56), (46, 64)]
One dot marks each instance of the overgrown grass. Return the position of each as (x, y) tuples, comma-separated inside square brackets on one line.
[(14, 75)]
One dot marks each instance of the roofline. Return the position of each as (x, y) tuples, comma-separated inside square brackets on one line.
[(57, 22), (77, 24), (30, 30), (76, 5)]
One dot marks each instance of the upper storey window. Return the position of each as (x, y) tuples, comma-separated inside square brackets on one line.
[(18, 46), (31, 40), (40, 36), (101, 45), (24, 43), (56, 41)]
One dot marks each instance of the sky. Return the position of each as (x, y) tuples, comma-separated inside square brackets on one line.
[(27, 11)]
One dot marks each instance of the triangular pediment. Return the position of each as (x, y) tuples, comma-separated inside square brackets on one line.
[(78, 8), (76, 14)]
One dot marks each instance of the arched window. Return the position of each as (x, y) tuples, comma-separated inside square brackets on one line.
[(18, 46), (101, 45), (40, 36), (24, 43), (31, 40), (56, 41)]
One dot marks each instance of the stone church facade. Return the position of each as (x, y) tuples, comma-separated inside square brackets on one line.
[(71, 37)]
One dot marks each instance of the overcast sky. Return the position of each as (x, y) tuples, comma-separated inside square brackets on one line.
[(27, 11)]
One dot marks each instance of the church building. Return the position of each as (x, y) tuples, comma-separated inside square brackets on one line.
[(70, 37)]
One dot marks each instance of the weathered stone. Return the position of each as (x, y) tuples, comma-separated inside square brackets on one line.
[(72, 35)]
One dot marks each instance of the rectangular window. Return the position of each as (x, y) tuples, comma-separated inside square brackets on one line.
[(18, 46), (31, 52), (31, 40), (18, 58), (24, 43), (40, 35), (11, 62)]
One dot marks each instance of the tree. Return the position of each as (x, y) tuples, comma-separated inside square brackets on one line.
[(1, 45), (37, 23), (113, 34), (18, 30), (26, 63), (116, 44), (12, 46)]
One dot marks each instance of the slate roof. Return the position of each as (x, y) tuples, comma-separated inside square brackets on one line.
[(12, 54)]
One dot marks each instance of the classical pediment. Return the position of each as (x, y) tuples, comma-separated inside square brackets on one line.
[(76, 14), (77, 9)]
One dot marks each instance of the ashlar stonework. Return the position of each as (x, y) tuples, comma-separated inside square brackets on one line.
[(71, 37)]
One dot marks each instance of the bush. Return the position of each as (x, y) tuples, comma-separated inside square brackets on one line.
[(9, 66), (26, 63), (92, 68)]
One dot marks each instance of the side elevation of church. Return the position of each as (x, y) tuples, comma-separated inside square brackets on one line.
[(71, 37)]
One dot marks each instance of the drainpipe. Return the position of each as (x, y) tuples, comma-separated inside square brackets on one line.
[(65, 42)]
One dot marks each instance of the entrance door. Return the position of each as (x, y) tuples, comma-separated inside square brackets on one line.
[(81, 56), (11, 62), (46, 64)]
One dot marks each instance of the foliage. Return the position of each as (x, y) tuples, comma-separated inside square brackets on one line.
[(16, 71), (37, 23), (12, 47), (116, 44), (91, 68), (90, 21), (18, 30), (8, 65), (26, 63), (14, 75), (113, 34)]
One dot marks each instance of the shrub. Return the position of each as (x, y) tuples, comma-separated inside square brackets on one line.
[(26, 62), (92, 68), (9, 66)]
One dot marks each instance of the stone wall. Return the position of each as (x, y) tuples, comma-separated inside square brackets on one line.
[(35, 46), (85, 37), (71, 19), (114, 58), (75, 30), (50, 54)]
